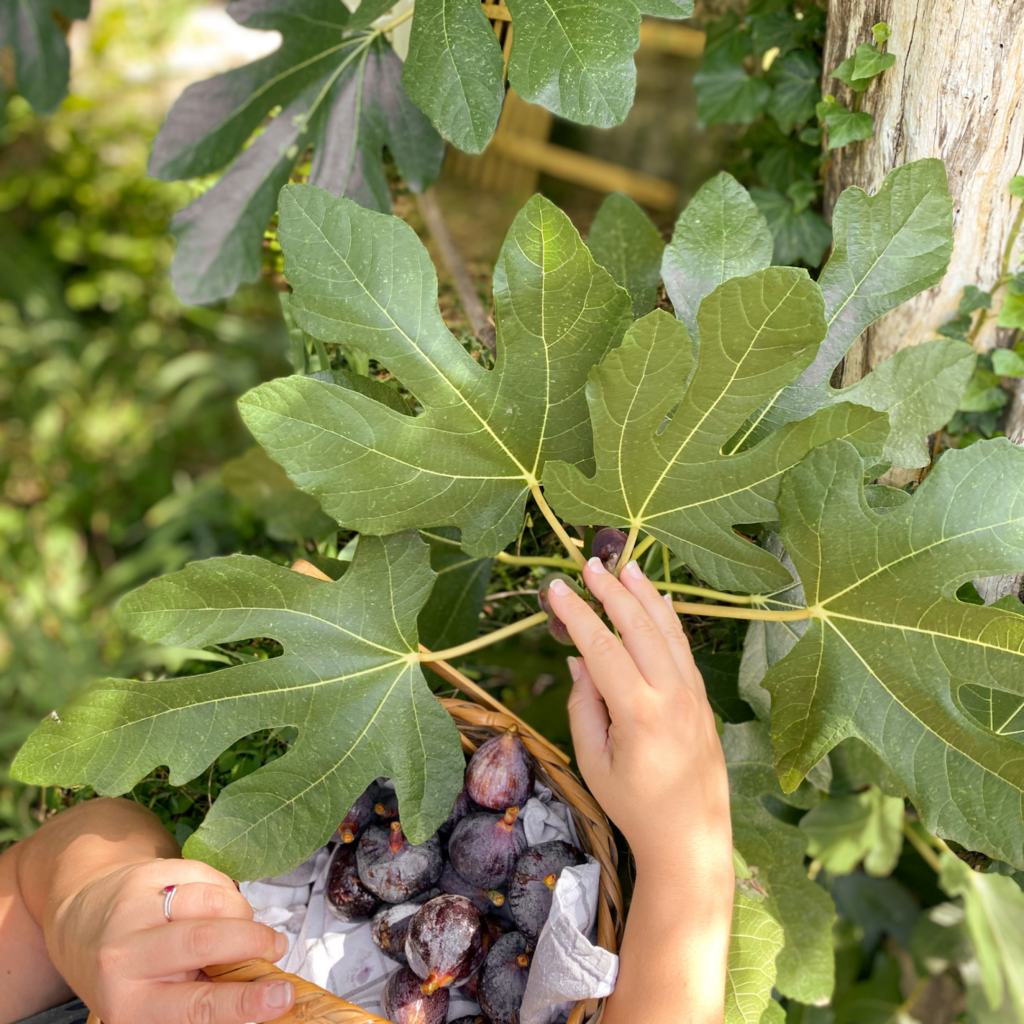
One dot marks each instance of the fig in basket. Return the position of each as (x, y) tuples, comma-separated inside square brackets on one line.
[(392, 868), (403, 1001), (485, 900), (484, 847), (390, 927), (446, 942), (464, 804), (347, 897), (503, 978), (359, 815), (500, 774), (532, 886)]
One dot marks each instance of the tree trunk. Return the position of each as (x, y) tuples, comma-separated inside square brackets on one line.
[(956, 92)]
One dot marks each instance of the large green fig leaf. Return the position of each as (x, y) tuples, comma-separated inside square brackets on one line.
[(629, 247), (673, 481), (338, 89), (890, 656), (34, 29), (576, 58), (887, 248), (454, 71), (484, 436), (720, 235), (776, 850), (754, 943), (347, 680)]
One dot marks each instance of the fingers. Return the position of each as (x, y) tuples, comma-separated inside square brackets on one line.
[(661, 613), (588, 714), (195, 900), (613, 671), (216, 1003), (643, 639), (183, 946)]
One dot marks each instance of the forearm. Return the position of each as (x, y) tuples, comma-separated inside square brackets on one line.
[(673, 959)]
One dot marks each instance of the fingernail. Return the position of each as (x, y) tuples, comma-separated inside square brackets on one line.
[(634, 570), (668, 599), (279, 995), (559, 587), (596, 564), (574, 669), (282, 944)]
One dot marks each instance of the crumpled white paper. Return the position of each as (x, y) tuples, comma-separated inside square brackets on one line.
[(342, 957)]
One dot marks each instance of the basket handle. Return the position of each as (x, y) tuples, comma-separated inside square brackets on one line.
[(313, 1005)]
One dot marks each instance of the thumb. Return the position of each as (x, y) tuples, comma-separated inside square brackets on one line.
[(588, 715)]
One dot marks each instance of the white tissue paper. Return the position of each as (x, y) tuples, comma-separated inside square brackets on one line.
[(342, 957)]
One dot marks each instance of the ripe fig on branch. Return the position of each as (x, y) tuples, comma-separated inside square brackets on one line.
[(403, 1001), (347, 897), (484, 847), (485, 900), (501, 773), (446, 942), (503, 978), (608, 545), (359, 815), (533, 883), (392, 868), (556, 627)]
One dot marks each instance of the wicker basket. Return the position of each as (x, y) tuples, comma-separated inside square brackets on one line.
[(477, 720)]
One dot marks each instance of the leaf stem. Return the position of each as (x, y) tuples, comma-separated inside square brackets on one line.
[(395, 21), (928, 855), (486, 640), (760, 614), (666, 564), (711, 595), (643, 546), (538, 496), (627, 551), (554, 563)]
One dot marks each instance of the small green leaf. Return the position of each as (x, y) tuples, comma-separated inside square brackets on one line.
[(844, 72), (469, 460), (939, 940), (983, 393), (754, 943), (454, 71), (795, 82), (890, 643), (1017, 186), (728, 94), (346, 680), (803, 193), (452, 613), (1012, 313), (629, 247), (869, 62), (844, 126), (34, 29), (811, 136), (881, 32), (973, 300), (576, 59), (720, 235), (1007, 363), (846, 830), (799, 237)]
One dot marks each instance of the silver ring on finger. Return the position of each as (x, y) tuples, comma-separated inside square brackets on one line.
[(169, 891)]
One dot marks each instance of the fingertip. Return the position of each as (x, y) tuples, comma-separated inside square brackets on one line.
[(278, 997)]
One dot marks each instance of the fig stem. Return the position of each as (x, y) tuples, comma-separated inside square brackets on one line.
[(554, 522), (760, 614), (486, 640), (642, 547)]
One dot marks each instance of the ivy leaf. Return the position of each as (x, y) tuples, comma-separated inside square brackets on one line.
[(776, 850), (629, 247), (754, 943), (795, 89), (675, 483), (576, 59), (983, 392), (889, 651), (34, 29), (340, 91), (1011, 314), (865, 826), (454, 71), (1007, 363), (726, 93), (869, 62), (994, 921), (469, 460), (844, 125), (452, 615), (799, 237), (345, 680), (720, 235), (887, 248)]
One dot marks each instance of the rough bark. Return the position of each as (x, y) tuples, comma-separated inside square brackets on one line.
[(956, 92)]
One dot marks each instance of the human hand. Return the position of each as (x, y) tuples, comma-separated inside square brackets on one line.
[(642, 727), (130, 965)]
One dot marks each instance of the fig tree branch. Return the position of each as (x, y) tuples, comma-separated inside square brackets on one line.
[(486, 640)]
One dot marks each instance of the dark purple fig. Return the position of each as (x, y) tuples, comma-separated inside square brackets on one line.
[(608, 545), (533, 883), (503, 978), (484, 847), (464, 804), (404, 1002), (485, 900), (392, 868), (390, 926), (501, 773), (386, 807), (496, 927), (556, 627), (446, 943), (359, 815), (347, 897)]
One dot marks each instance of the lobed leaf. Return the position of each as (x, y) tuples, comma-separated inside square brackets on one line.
[(484, 436), (660, 434), (346, 681), (891, 656)]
